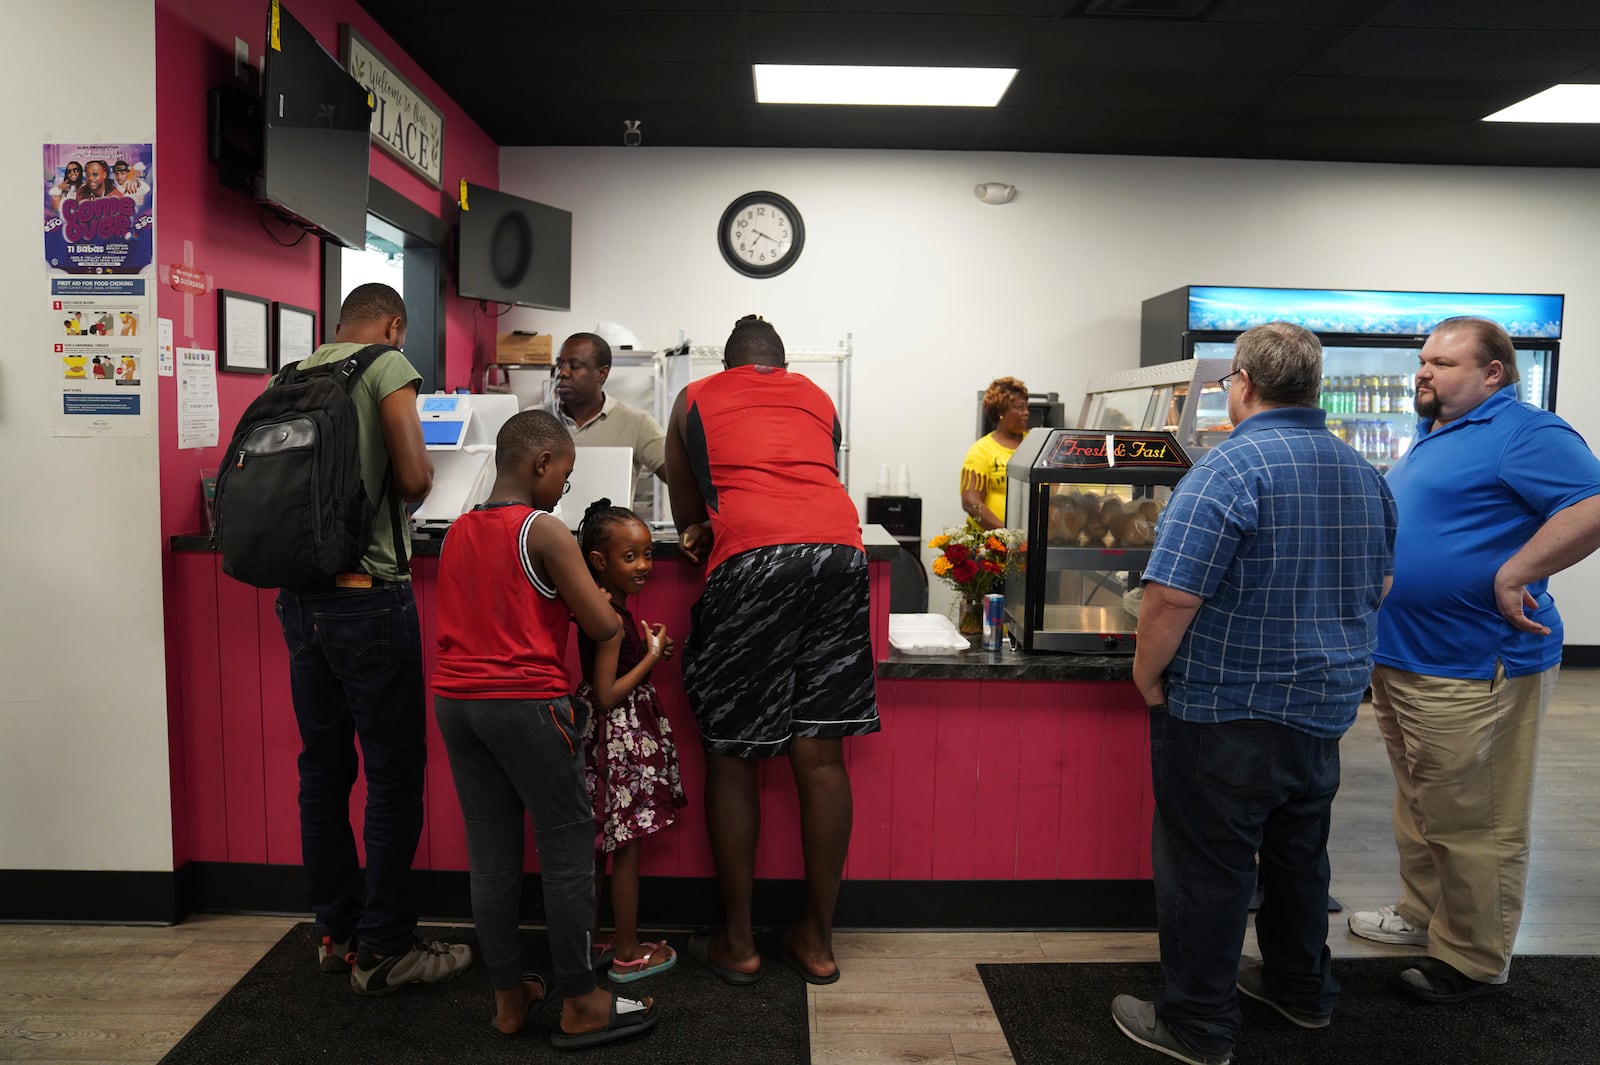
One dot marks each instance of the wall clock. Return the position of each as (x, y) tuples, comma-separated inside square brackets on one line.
[(761, 234)]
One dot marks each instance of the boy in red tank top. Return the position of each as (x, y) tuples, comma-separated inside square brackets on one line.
[(511, 579)]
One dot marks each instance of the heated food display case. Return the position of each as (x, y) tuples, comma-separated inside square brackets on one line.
[(1090, 502), (1181, 398)]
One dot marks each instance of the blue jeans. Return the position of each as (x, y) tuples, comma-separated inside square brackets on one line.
[(1226, 793), (355, 671), (509, 756)]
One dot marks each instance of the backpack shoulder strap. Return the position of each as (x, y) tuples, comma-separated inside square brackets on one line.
[(352, 368), (346, 374)]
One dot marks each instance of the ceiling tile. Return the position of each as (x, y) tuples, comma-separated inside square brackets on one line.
[(1465, 55), (1395, 97), (1237, 48)]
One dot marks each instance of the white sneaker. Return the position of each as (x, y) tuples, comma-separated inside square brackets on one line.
[(1385, 925)]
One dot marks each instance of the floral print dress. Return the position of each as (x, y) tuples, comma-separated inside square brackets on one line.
[(630, 762)]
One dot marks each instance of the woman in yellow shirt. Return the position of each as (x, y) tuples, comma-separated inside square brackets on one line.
[(983, 473)]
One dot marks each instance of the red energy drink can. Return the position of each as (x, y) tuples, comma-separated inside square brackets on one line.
[(994, 621)]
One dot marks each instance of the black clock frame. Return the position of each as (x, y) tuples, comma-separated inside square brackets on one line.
[(796, 244)]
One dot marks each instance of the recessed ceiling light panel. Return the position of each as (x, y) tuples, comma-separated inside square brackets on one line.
[(1559, 103), (882, 86)]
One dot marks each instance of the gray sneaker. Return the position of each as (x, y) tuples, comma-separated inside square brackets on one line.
[(1385, 925), (1252, 982), (334, 956), (427, 962), (1138, 1021)]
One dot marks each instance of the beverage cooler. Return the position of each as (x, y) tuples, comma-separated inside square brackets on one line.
[(1088, 504), (1370, 343)]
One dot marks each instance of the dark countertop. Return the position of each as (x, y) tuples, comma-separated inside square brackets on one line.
[(881, 547), (1005, 665)]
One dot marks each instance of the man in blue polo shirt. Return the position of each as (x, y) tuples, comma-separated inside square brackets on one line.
[(1494, 497), (1255, 647)]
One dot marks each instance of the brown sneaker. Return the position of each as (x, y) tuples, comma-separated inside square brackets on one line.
[(427, 962)]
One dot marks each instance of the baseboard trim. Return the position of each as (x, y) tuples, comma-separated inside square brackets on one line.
[(1580, 656), (73, 896), (692, 901), (232, 887)]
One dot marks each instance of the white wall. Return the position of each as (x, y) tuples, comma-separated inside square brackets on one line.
[(84, 779), (942, 292)]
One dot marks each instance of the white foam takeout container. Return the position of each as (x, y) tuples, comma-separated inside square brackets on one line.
[(925, 634)]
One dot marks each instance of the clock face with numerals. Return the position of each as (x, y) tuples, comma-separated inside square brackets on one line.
[(761, 234)]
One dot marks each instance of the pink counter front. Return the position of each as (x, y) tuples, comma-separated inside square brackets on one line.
[(1003, 791)]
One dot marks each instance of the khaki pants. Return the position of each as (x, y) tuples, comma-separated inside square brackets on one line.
[(1463, 754)]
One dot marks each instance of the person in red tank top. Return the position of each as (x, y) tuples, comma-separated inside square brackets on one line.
[(511, 578), (779, 659)]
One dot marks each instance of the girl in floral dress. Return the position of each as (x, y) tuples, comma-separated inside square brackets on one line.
[(630, 761)]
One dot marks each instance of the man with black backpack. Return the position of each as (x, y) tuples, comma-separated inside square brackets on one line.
[(355, 648)]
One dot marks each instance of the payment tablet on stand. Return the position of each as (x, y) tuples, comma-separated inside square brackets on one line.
[(459, 431)]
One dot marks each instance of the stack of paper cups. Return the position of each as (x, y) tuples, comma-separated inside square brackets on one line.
[(883, 479), (902, 481)]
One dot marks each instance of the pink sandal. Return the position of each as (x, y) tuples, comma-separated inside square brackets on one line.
[(625, 972)]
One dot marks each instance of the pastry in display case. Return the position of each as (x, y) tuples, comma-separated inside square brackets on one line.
[(1091, 501)]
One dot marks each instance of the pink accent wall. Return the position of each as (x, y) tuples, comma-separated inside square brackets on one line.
[(223, 231)]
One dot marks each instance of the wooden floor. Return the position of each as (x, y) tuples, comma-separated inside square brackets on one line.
[(119, 994)]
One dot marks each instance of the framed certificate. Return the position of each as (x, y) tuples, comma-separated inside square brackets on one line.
[(294, 334), (243, 333)]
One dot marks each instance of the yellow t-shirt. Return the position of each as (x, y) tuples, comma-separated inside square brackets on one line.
[(986, 460)]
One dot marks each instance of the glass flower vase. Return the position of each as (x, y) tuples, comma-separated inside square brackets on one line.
[(969, 616)]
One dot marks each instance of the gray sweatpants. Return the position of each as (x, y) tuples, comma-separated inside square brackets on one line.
[(507, 756)]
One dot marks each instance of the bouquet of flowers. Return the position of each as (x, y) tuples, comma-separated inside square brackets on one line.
[(974, 560)]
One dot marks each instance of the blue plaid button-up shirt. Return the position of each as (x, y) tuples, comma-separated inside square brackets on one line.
[(1287, 534)]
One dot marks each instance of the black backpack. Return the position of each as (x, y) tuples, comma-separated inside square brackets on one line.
[(290, 506)]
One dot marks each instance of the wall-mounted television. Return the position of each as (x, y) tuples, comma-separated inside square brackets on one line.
[(512, 250), (316, 140)]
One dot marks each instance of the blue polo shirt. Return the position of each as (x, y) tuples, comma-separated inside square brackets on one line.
[(1287, 534), (1471, 493)]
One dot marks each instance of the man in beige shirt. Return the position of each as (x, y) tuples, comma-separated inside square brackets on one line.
[(597, 420)]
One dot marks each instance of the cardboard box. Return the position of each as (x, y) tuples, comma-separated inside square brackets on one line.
[(523, 349)]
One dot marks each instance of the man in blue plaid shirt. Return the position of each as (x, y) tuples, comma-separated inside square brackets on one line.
[(1255, 647)]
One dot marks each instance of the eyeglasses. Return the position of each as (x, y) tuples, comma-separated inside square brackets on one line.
[(74, 169), (1225, 381)]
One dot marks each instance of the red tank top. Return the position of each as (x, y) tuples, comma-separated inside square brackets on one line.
[(502, 630), (762, 442)]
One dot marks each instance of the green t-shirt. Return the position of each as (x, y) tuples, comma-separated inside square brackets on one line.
[(388, 373)]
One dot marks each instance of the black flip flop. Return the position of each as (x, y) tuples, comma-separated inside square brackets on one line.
[(789, 958), (544, 994), (698, 945), (637, 1020)]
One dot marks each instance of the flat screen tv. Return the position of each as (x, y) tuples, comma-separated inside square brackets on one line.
[(316, 139), (511, 250)]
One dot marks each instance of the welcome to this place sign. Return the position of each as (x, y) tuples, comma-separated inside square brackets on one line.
[(404, 123)]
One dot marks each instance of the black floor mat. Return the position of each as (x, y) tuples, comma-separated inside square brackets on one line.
[(286, 1010), (1546, 1015)]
